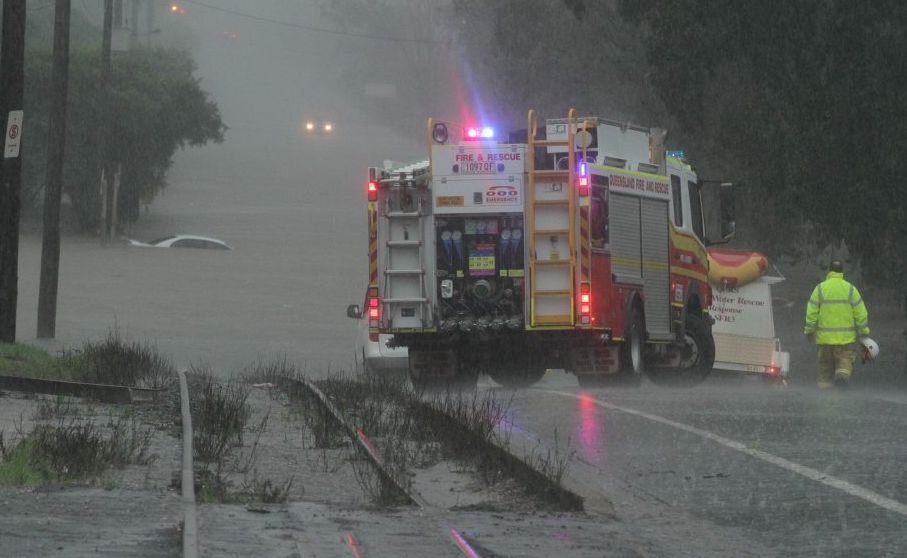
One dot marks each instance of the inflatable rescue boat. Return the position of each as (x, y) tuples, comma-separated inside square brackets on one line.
[(735, 268)]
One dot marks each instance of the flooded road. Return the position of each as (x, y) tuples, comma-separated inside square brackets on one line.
[(297, 228)]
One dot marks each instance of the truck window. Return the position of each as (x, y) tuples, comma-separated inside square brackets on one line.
[(677, 201), (599, 218), (696, 210)]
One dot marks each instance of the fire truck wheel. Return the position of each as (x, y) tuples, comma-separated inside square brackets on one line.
[(632, 352), (696, 358)]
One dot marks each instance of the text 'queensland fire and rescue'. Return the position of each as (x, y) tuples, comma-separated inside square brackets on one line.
[(638, 184)]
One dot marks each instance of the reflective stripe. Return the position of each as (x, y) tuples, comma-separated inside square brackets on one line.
[(820, 328), (836, 302), (850, 295), (857, 303), (821, 298), (813, 302)]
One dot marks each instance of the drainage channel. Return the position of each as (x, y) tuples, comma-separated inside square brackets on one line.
[(438, 517)]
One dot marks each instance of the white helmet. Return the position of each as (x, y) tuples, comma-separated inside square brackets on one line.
[(870, 349)]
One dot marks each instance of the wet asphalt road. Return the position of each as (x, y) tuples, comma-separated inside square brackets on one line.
[(734, 467)]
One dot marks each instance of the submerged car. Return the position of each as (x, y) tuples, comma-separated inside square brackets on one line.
[(183, 241), (372, 352)]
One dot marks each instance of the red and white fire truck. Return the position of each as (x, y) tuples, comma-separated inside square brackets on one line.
[(579, 248)]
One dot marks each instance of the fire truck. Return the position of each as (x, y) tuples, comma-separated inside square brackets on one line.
[(579, 246)]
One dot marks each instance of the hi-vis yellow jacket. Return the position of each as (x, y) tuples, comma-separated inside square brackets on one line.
[(835, 312)]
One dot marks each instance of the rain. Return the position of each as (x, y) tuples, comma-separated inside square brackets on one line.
[(666, 377)]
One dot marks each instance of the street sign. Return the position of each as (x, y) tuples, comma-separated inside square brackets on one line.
[(13, 134)]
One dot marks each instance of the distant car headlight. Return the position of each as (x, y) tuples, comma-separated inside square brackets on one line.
[(309, 126), (328, 127)]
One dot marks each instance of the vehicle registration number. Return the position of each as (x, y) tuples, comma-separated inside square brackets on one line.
[(478, 167)]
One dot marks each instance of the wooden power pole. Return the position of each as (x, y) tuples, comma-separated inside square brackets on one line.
[(56, 141), (106, 172), (12, 55)]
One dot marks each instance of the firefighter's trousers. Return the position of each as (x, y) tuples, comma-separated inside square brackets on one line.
[(835, 362)]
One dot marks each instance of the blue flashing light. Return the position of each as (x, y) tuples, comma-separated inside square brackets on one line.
[(677, 154), (473, 133), (582, 169)]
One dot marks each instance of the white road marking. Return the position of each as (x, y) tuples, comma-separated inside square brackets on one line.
[(808, 472)]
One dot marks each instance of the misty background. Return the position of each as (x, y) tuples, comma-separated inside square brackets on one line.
[(787, 101)]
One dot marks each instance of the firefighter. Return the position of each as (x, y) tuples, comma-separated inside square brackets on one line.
[(835, 317)]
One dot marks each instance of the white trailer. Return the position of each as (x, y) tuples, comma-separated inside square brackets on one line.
[(744, 329)]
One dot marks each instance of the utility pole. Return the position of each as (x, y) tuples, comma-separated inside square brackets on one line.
[(12, 55), (106, 175), (56, 142), (134, 25)]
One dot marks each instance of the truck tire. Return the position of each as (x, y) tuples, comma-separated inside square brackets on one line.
[(633, 350), (697, 358)]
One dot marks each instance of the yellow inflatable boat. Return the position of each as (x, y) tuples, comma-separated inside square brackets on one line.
[(735, 267)]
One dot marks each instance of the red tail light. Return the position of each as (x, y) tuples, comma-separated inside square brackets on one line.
[(585, 303), (374, 307), (372, 191), (774, 370)]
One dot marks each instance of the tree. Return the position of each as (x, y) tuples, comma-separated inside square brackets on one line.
[(157, 107), (808, 99)]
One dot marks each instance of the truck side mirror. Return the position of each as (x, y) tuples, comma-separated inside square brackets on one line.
[(353, 311), (718, 211), (728, 211)]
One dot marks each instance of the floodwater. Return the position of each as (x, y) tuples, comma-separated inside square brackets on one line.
[(298, 258)]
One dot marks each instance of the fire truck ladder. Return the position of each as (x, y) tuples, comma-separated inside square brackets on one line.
[(404, 298), (551, 224)]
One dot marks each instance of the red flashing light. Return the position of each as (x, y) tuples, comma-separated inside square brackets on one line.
[(374, 308), (472, 133), (584, 181), (585, 309), (585, 298), (372, 191), (774, 370)]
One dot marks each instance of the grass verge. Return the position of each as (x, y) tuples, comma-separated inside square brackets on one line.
[(72, 449), (113, 360)]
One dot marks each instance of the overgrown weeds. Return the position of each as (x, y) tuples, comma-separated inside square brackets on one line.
[(74, 448), (219, 416), (55, 407), (118, 361)]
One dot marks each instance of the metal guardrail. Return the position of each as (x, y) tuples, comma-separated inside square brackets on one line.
[(105, 393)]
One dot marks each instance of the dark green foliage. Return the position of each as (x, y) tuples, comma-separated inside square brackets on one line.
[(807, 100), (156, 107)]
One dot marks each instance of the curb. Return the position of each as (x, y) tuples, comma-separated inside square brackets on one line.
[(190, 525)]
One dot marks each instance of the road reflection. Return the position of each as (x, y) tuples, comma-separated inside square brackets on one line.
[(589, 429)]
